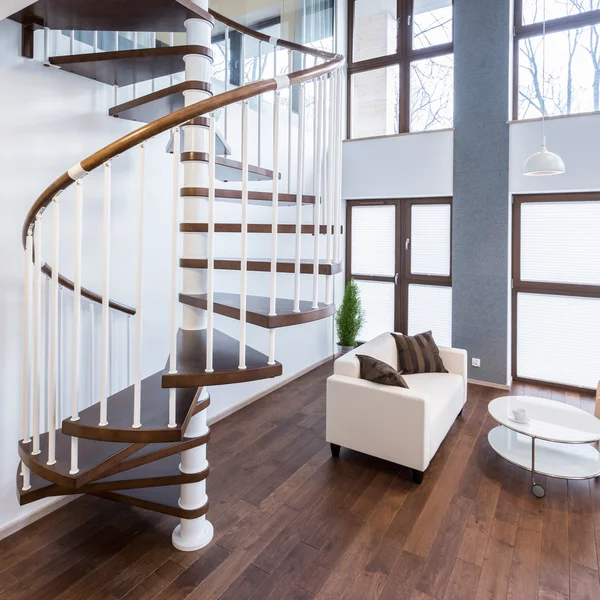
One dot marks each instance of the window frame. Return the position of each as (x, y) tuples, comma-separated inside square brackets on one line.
[(405, 277), (404, 56), (521, 32), (540, 287)]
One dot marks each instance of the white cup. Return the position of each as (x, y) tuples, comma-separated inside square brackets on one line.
[(519, 414)]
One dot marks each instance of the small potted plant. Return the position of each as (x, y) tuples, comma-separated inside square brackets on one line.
[(349, 318)]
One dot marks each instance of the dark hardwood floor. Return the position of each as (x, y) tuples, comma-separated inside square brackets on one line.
[(294, 524)]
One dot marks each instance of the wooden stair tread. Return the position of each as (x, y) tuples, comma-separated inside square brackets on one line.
[(191, 362), (227, 169), (111, 15), (40, 488), (252, 228), (154, 415), (158, 499), (127, 67), (95, 457), (256, 197), (156, 105), (257, 309), (283, 265)]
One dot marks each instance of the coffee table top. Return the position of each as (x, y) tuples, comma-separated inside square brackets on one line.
[(548, 419)]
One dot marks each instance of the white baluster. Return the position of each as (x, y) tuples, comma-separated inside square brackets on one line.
[(225, 126), (329, 188), (275, 206), (135, 47), (72, 43), (26, 475), (46, 46), (27, 337), (111, 354), (95, 42), (210, 279), (53, 335), (300, 194), (92, 354), (337, 168), (261, 73), (37, 333), (129, 376), (116, 40), (75, 372), (317, 186), (116, 87), (153, 45), (290, 114), (174, 272), (104, 357), (171, 43), (137, 353), (244, 241)]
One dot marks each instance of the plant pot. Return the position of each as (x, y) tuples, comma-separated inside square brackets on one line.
[(344, 349)]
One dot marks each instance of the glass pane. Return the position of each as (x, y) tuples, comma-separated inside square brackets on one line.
[(570, 84), (558, 339), (432, 23), (533, 10), (430, 239), (376, 102), (430, 308), (375, 29), (560, 242), (378, 303), (432, 93), (374, 240)]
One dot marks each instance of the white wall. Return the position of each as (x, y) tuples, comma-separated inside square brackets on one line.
[(52, 120), (574, 139), (403, 166)]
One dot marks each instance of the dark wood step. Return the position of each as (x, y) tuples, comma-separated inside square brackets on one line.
[(236, 195), (191, 362), (283, 265), (95, 458), (112, 15), (40, 488), (154, 415), (227, 169), (127, 67), (252, 228), (157, 499), (257, 309), (156, 105)]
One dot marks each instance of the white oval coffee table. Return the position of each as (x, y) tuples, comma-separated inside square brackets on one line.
[(555, 441)]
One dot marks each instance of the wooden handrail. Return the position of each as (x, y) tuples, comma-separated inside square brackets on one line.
[(92, 162)]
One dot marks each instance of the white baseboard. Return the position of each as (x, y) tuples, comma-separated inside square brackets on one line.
[(56, 503), (35, 515), (498, 386), (232, 409)]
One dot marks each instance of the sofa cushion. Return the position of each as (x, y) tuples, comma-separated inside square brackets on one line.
[(383, 347), (380, 372), (418, 354)]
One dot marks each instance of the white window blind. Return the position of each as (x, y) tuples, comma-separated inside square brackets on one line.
[(559, 339), (430, 239), (560, 242), (378, 303), (374, 240), (430, 308)]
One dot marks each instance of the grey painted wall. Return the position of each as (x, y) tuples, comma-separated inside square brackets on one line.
[(481, 210)]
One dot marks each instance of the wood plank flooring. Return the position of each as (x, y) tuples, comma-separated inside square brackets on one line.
[(292, 523)]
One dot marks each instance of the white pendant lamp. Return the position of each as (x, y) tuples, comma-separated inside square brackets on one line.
[(544, 162)]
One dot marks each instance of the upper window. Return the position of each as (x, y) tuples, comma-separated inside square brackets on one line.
[(401, 66), (571, 83)]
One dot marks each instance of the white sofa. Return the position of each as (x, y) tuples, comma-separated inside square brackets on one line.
[(404, 426)]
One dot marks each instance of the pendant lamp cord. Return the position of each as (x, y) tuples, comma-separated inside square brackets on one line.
[(544, 74)]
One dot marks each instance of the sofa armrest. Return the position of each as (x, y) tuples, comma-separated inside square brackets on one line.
[(455, 361), (384, 421)]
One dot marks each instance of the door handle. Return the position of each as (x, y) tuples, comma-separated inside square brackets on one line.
[(396, 279), (407, 243)]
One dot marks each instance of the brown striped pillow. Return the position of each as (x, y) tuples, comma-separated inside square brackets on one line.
[(378, 371), (418, 354)]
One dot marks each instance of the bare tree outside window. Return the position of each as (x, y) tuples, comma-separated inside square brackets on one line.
[(432, 93)]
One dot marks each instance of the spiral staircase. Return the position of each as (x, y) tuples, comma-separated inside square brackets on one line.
[(145, 444)]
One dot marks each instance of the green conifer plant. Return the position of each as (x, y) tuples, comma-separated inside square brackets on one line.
[(350, 316)]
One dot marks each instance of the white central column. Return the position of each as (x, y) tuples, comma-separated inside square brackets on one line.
[(192, 534)]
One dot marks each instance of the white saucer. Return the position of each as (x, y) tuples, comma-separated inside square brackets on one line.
[(524, 422)]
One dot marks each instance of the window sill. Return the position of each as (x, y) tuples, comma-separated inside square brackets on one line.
[(555, 117), (395, 135)]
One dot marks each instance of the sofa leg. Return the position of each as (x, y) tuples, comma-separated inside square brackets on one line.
[(335, 450), (417, 477)]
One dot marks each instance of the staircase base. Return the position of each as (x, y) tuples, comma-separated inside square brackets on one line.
[(190, 544)]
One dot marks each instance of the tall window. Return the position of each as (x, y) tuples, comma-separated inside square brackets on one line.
[(401, 66), (572, 80), (399, 255), (556, 288)]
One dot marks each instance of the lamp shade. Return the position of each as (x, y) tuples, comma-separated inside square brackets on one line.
[(544, 163)]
